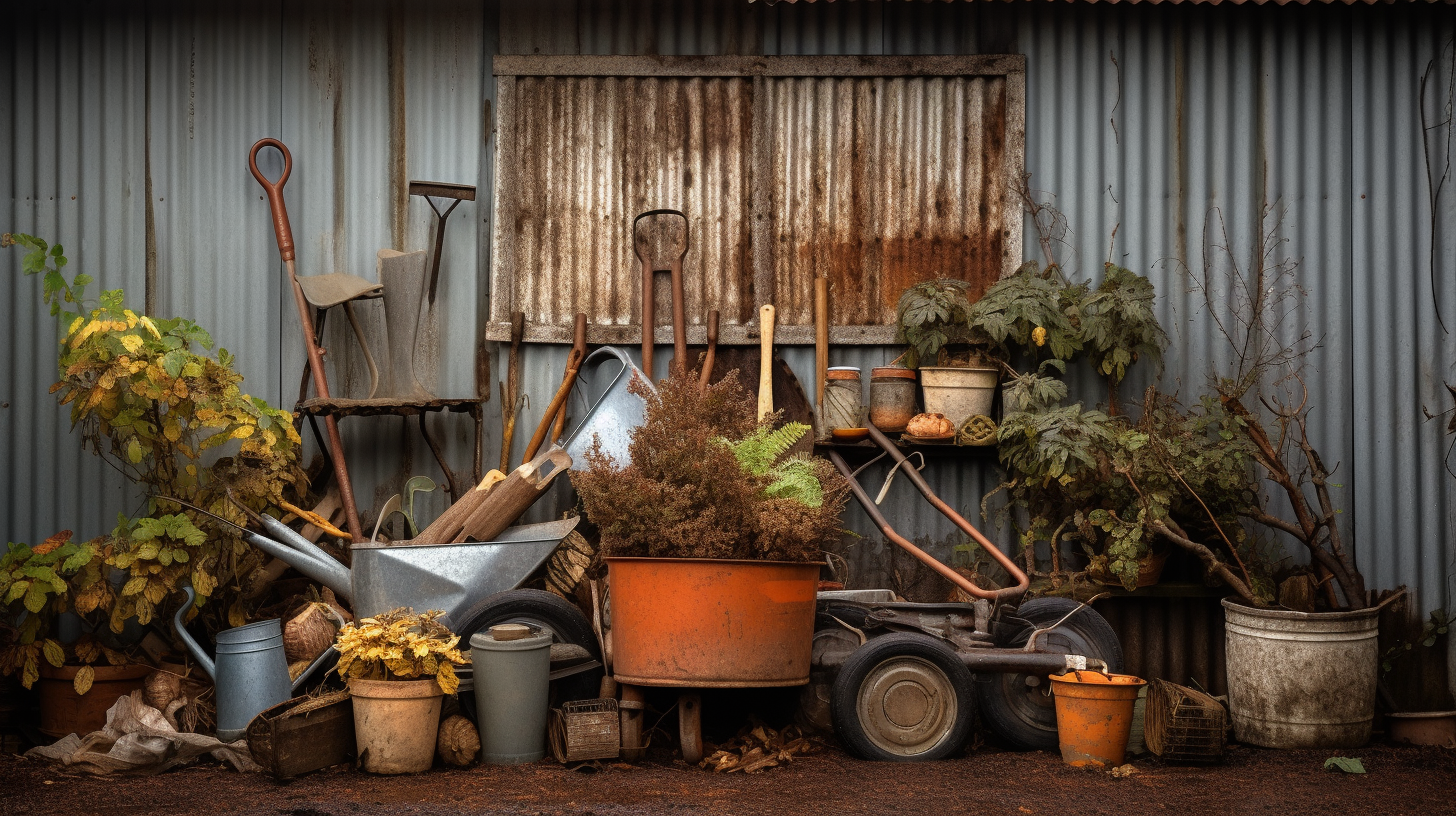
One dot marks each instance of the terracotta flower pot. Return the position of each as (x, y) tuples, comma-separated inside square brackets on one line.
[(63, 711), (1094, 716), (396, 723)]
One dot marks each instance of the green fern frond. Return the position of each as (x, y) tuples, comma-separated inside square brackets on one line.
[(794, 479), (757, 452)]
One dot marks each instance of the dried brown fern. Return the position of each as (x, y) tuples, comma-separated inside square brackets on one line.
[(685, 495)]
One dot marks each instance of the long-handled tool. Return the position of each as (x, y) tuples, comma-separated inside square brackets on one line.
[(710, 356), (765, 367), (511, 390), (643, 248), (821, 348), (427, 337), (284, 233), (578, 346)]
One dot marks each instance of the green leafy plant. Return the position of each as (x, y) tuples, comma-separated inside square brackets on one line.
[(1118, 323), (761, 454), (1438, 624), (706, 480), (933, 315), (1117, 487), (152, 401), (1034, 311), (37, 584)]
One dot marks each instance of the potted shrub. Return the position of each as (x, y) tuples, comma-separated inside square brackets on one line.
[(1128, 491), (958, 375), (713, 540), (80, 673), (1297, 679), (151, 398), (1075, 474), (398, 666)]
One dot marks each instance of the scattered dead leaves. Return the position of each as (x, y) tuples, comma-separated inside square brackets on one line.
[(758, 747)]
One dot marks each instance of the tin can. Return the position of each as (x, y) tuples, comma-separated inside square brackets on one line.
[(892, 397)]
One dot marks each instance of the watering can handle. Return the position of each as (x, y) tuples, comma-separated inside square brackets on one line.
[(192, 647), (317, 661), (281, 228)]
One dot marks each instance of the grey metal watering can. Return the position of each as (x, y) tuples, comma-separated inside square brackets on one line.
[(613, 415), (250, 672)]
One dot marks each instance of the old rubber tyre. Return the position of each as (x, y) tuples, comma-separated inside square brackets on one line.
[(904, 697), (1019, 707), (547, 611)]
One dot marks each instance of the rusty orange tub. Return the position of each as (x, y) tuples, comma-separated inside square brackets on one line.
[(698, 622)]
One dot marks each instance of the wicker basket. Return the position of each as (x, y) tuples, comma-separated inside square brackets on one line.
[(585, 729), (1183, 724)]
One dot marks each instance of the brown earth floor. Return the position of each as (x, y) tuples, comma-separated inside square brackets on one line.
[(989, 781)]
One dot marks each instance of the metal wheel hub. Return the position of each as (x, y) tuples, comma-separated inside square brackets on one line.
[(907, 705)]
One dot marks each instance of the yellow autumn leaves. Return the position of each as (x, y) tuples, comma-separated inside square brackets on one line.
[(400, 645)]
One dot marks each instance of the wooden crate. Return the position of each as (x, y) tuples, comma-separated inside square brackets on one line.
[(288, 743), (586, 729)]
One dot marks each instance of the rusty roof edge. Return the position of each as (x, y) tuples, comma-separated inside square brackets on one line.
[(606, 65)]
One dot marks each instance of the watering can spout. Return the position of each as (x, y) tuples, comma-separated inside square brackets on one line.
[(192, 647), (320, 567)]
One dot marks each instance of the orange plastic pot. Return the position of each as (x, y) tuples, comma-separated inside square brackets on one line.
[(699, 622), (1094, 716)]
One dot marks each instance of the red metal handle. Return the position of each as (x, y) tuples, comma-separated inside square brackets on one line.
[(281, 229)]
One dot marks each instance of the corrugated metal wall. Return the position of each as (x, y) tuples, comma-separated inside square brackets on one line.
[(1146, 119)]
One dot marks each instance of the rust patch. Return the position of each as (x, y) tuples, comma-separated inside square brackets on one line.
[(907, 197)]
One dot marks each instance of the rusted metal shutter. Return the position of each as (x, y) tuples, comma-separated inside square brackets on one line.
[(874, 172)]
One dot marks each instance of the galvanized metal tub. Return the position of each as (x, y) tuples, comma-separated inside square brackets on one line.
[(707, 623), (1301, 680)]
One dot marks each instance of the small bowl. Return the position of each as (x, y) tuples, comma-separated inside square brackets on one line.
[(850, 434), (931, 440)]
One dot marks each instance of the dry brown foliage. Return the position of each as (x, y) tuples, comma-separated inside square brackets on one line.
[(684, 495)]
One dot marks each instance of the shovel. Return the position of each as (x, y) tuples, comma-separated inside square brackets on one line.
[(427, 338), (284, 233)]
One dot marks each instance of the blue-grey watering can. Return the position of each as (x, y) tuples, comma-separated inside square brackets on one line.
[(250, 673)]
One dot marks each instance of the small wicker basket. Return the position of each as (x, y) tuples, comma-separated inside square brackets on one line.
[(585, 729), (1184, 724)]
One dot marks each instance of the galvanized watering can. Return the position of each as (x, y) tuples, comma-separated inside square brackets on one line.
[(613, 416), (250, 673)]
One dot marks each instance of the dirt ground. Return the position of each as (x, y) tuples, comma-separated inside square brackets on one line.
[(988, 781)]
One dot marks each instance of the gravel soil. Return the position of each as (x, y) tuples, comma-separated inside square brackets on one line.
[(988, 781)]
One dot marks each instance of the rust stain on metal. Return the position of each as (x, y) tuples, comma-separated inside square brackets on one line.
[(594, 152), (875, 182), (880, 184)]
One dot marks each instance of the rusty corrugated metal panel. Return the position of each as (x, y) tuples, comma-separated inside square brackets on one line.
[(880, 183), (901, 171), (593, 152)]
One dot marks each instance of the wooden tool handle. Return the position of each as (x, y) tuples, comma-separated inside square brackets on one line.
[(821, 343), (765, 367)]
